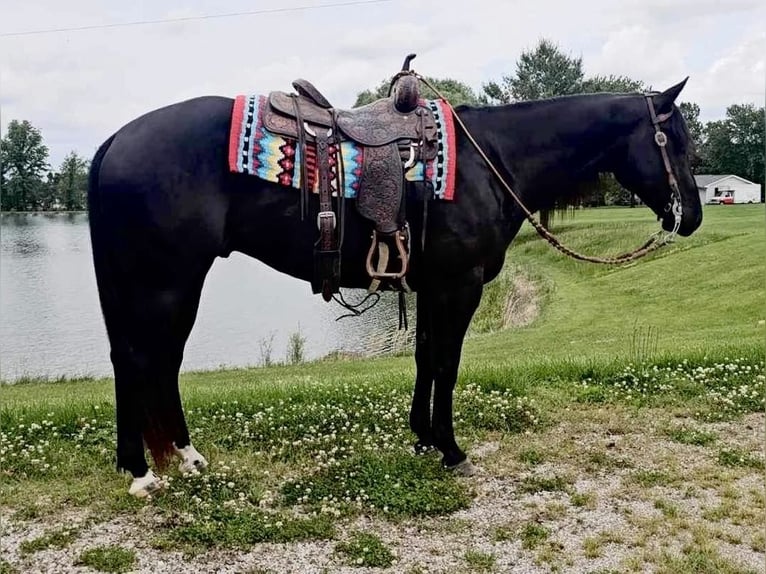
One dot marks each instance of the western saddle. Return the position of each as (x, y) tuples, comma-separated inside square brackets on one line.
[(394, 132)]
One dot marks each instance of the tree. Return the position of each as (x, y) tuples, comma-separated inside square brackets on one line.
[(735, 145), (24, 158), (72, 184), (611, 83), (691, 113), (544, 72), (46, 197), (455, 91), (547, 72)]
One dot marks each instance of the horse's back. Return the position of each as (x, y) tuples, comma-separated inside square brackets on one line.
[(192, 132), (162, 178)]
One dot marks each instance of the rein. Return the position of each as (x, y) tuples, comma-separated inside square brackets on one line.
[(655, 241)]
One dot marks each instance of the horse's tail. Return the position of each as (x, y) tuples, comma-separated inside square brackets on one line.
[(155, 434), (98, 239)]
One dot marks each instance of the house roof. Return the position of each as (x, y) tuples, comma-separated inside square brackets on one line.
[(706, 179)]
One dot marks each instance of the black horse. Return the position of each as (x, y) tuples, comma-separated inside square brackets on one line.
[(163, 205)]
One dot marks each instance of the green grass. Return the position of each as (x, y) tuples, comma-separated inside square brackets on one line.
[(108, 559), (531, 457), (700, 559), (295, 450), (58, 538), (682, 292), (691, 436), (738, 457), (582, 499), (397, 484), (532, 535), (480, 561), (533, 484), (650, 478), (365, 549)]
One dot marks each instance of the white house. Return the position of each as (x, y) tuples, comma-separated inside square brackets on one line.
[(714, 188)]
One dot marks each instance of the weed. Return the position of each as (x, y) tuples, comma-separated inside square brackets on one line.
[(601, 460), (583, 499), (108, 559), (650, 478), (531, 457), (480, 561), (758, 542), (396, 484), (27, 512), (643, 342), (59, 538), (592, 547), (700, 559), (691, 436), (534, 484), (504, 533), (296, 348), (366, 549), (234, 528), (532, 535), (265, 349), (737, 457), (668, 509)]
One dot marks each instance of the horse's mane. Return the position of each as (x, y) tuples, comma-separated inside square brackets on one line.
[(565, 205)]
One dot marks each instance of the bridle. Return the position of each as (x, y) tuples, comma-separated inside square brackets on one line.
[(662, 141), (655, 241)]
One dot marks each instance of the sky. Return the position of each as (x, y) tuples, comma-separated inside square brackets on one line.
[(79, 87)]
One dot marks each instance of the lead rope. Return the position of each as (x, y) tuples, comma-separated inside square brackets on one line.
[(654, 242)]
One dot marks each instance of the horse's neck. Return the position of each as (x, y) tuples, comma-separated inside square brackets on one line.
[(548, 148)]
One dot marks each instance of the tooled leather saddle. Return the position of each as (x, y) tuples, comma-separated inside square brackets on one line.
[(394, 133)]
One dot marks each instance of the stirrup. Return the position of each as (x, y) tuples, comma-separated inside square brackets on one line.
[(399, 240)]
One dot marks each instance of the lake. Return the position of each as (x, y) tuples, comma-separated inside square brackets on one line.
[(51, 323)]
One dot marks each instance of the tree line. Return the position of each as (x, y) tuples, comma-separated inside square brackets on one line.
[(733, 145), (27, 182)]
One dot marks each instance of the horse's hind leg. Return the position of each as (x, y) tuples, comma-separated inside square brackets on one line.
[(147, 358), (191, 459)]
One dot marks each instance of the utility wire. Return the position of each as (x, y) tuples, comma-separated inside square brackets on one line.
[(190, 18)]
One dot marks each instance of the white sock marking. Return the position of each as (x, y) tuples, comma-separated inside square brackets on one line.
[(145, 485), (191, 460)]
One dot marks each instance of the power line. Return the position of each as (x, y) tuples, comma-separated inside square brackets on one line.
[(190, 18)]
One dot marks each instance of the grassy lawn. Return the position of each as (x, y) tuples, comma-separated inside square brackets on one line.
[(620, 430)]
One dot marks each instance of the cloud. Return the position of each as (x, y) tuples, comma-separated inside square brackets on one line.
[(736, 76), (639, 52), (80, 87)]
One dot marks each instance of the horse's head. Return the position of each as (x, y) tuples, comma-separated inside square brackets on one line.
[(653, 162)]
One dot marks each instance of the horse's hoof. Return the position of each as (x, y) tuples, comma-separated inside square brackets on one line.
[(463, 468), (145, 485), (423, 448), (191, 460)]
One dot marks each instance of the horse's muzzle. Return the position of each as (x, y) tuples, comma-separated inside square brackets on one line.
[(690, 221)]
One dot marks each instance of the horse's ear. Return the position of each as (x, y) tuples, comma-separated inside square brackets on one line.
[(664, 101)]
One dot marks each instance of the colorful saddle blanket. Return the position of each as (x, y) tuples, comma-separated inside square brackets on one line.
[(256, 151)]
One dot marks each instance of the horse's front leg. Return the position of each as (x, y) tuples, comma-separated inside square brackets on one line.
[(452, 305), (420, 411)]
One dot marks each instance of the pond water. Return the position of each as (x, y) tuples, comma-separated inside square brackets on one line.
[(51, 323)]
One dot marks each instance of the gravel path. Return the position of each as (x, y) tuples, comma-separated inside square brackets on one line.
[(601, 521)]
